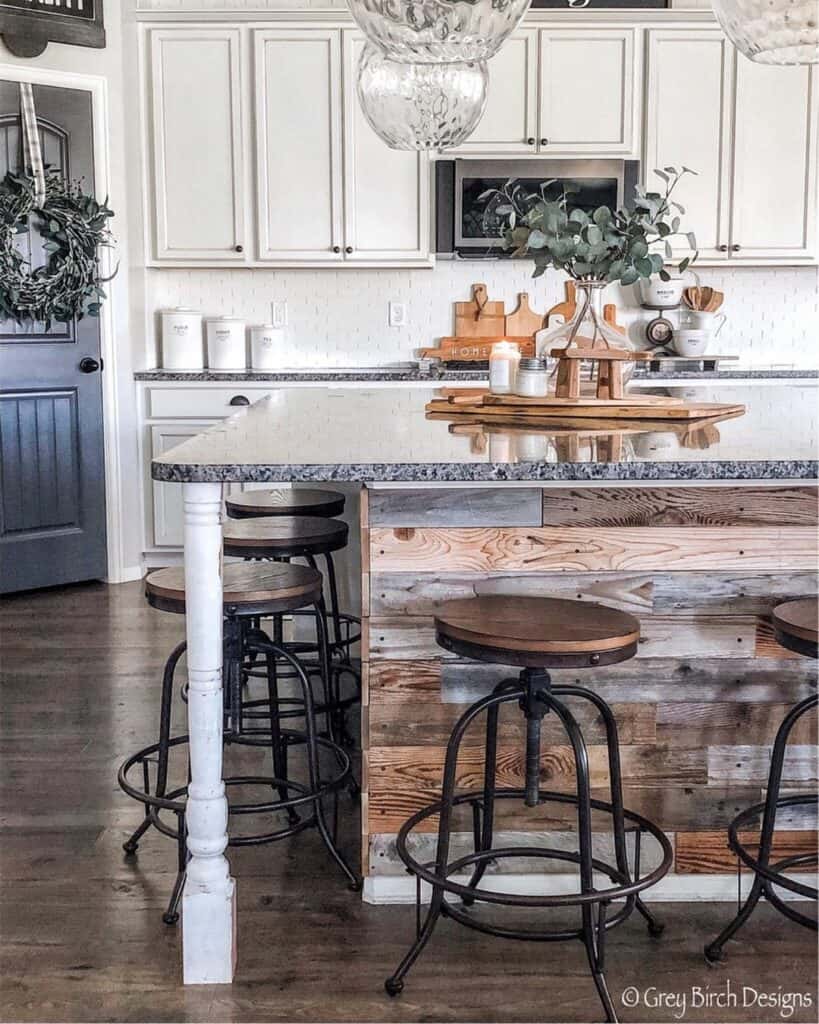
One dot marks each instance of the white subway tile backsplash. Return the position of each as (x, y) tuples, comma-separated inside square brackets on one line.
[(340, 317)]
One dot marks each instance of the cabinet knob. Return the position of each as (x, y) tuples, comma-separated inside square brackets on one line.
[(735, 248), (530, 141), (239, 248), (722, 248), (336, 248), (239, 400), (544, 142), (348, 249)]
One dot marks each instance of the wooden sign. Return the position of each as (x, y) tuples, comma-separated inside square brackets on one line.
[(28, 26)]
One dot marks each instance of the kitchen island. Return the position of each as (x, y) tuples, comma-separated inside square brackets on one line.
[(696, 531)]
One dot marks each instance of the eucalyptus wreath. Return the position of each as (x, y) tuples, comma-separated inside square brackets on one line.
[(74, 225)]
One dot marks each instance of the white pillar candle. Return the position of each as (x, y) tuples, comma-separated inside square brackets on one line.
[(503, 367)]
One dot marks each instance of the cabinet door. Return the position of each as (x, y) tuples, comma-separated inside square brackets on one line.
[(199, 195), (386, 191), (298, 132), (688, 122), (589, 91), (167, 498), (774, 184), (509, 123)]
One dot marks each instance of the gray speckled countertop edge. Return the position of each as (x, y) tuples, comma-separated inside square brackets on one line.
[(375, 376), (486, 471)]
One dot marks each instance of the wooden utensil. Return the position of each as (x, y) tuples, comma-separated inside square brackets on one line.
[(524, 320), (479, 318), (716, 300)]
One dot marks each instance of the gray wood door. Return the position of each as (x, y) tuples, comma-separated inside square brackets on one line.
[(52, 475)]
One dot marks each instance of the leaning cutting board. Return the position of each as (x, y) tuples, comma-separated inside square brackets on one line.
[(479, 318), (524, 321), (473, 350)]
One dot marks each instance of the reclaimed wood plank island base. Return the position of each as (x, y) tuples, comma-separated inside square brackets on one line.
[(699, 544)]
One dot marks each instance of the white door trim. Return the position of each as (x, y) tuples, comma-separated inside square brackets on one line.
[(96, 85)]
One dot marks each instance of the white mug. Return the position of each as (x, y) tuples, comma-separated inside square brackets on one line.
[(702, 320), (690, 342)]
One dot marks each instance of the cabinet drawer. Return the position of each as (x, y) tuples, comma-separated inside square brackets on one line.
[(202, 402)]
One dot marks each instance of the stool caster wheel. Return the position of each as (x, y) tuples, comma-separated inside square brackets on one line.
[(655, 929), (713, 956), (130, 848), (393, 988), (170, 918)]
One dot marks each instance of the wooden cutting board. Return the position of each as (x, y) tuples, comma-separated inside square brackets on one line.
[(473, 350), (524, 320), (479, 318), (582, 410)]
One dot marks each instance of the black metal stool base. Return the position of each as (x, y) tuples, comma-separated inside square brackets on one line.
[(536, 697), (769, 876)]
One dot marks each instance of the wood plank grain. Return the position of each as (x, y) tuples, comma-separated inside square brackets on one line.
[(656, 680), (456, 506), (715, 723), (716, 636), (745, 764), (708, 853), (767, 646), (429, 723), (569, 549), (680, 506), (729, 593), (422, 593)]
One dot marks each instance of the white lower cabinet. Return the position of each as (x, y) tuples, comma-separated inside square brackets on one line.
[(166, 529)]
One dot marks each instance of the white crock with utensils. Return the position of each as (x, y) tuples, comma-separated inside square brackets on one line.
[(703, 320)]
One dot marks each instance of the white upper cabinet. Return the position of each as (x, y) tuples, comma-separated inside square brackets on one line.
[(774, 185), (509, 122), (198, 198), (688, 123), (386, 191), (750, 133), (589, 81), (299, 147)]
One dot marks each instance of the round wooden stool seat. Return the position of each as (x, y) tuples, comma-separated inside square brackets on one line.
[(300, 501), (796, 625), (250, 588), (536, 632), (283, 536)]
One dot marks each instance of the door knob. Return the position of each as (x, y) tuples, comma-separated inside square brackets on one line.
[(89, 365)]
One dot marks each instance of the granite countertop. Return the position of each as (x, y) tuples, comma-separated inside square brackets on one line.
[(410, 374), (371, 435)]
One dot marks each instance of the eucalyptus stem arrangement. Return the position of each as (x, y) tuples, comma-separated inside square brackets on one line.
[(604, 245)]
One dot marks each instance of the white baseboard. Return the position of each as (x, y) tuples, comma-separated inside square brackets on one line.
[(128, 574), (394, 889)]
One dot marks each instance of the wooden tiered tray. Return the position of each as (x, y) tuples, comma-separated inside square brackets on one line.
[(511, 408)]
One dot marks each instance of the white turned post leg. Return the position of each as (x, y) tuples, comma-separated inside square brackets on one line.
[(209, 898)]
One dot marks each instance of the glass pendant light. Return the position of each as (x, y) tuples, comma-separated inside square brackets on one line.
[(421, 106), (438, 31), (772, 31)]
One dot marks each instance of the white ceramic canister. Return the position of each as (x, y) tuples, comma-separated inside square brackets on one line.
[(691, 342), (182, 347), (227, 349), (265, 346)]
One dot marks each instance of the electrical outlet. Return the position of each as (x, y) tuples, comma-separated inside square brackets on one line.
[(279, 313), (398, 314)]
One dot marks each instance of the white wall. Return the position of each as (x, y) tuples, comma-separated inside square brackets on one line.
[(108, 65), (339, 317)]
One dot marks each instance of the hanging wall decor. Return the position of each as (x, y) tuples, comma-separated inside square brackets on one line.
[(772, 31), (420, 106), (28, 26), (73, 225), (438, 31)]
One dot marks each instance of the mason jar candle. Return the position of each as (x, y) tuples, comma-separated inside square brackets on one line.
[(532, 379), (265, 346), (504, 358), (182, 347), (226, 343)]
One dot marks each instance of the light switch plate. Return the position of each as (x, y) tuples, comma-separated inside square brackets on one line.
[(279, 313), (398, 314)]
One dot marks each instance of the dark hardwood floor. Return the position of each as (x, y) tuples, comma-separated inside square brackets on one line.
[(80, 926)]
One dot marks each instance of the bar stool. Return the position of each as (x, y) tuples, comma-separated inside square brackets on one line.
[(299, 501), (281, 538), (533, 634), (796, 627), (251, 589)]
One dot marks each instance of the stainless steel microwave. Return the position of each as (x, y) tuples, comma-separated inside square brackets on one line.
[(466, 225)]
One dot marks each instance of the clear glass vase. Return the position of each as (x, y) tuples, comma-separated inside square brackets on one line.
[(772, 31)]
